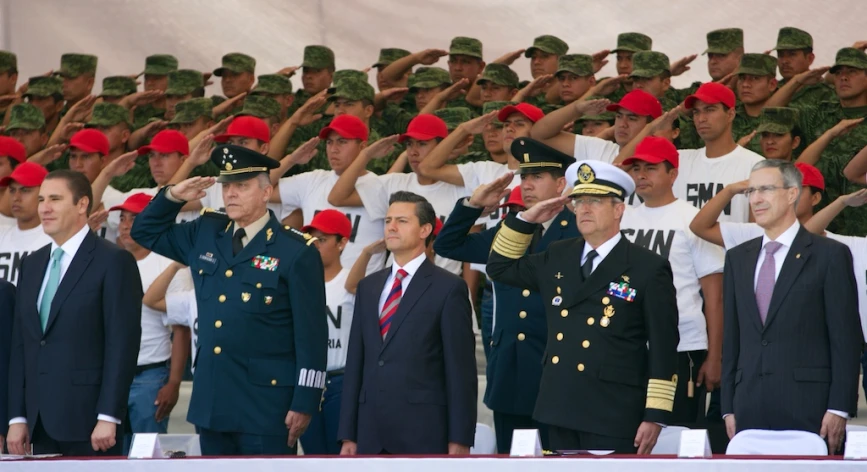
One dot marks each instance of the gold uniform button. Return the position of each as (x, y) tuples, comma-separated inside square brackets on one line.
[(218, 350), (564, 313), (559, 336), (606, 300), (521, 337), (274, 382), (585, 344), (218, 324), (201, 271), (229, 273), (580, 367), (564, 223), (590, 321), (222, 298), (526, 293), (555, 360), (259, 285), (522, 315)]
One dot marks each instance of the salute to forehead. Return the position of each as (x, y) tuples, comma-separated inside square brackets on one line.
[(544, 54), (724, 50)]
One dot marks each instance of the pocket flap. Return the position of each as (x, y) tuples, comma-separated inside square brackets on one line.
[(812, 374), (203, 267), (622, 375), (271, 372)]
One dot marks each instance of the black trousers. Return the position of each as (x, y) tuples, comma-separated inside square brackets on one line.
[(689, 410), (569, 439), (505, 424), (43, 444)]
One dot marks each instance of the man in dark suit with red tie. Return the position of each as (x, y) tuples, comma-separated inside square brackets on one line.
[(410, 385), (792, 334), (76, 333)]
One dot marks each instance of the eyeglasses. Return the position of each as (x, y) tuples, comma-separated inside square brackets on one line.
[(592, 202), (763, 190)]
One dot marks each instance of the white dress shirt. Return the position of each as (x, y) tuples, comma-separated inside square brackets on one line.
[(411, 268), (602, 251)]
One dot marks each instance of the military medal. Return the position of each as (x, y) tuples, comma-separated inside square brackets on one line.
[(609, 311), (557, 300), (245, 296), (604, 322), (265, 263), (268, 299)]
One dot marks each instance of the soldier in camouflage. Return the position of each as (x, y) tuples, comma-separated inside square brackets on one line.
[(27, 126), (156, 78), (237, 74), (46, 93), (470, 151), (651, 72), (426, 83), (193, 116), (78, 72), (544, 55), (795, 56), (592, 125), (778, 133), (116, 87), (263, 107), (8, 76), (498, 82), (627, 45), (386, 57), (756, 82), (277, 87), (317, 73), (575, 76), (465, 62), (182, 85), (113, 121)]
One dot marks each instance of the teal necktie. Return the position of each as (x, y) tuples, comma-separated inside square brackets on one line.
[(50, 287)]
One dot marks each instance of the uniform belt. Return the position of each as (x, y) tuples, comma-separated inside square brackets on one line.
[(156, 365), (334, 373)]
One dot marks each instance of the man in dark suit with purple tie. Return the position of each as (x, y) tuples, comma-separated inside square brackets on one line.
[(410, 385)]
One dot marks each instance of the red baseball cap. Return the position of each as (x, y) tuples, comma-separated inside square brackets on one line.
[(515, 198), (135, 203), (532, 113), (330, 222), (424, 128), (438, 226), (12, 148), (247, 127), (27, 174), (654, 150), (639, 102), (166, 141), (90, 140), (347, 126), (812, 176), (711, 93)]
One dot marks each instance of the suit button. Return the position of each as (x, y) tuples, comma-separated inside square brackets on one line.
[(218, 350), (521, 337), (564, 313), (381, 363), (201, 271), (274, 382), (580, 367), (259, 285), (555, 360), (229, 273), (559, 336), (222, 298), (585, 344), (526, 293), (42, 343), (764, 342), (218, 324), (522, 315), (590, 321)]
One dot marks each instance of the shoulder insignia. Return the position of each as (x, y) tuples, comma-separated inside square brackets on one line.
[(306, 238), (212, 213)]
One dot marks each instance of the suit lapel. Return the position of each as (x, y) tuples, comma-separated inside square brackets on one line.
[(76, 270), (417, 286), (224, 243), (258, 244), (379, 280), (747, 284), (614, 264), (34, 285), (797, 257)]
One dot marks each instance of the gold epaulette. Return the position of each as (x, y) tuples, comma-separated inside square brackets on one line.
[(660, 393), (306, 238)]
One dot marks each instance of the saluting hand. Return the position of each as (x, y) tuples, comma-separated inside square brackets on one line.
[(810, 77), (381, 148), (192, 188), (591, 107), (744, 141), (305, 152), (430, 57), (491, 193), (856, 199), (544, 210), (510, 57), (681, 65), (478, 124), (599, 59), (844, 126), (608, 86), (202, 152)]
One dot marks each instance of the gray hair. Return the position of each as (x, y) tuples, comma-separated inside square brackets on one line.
[(264, 180), (792, 177)]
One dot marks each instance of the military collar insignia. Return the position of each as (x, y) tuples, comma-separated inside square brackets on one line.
[(269, 233)]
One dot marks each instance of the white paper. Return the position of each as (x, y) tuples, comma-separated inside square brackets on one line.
[(856, 445), (526, 443), (694, 443), (144, 446)]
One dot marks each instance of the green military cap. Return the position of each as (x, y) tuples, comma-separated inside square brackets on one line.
[(633, 42), (724, 41), (25, 116), (578, 64), (118, 86), (488, 107), (237, 163), (8, 61), (191, 110), (777, 120), (260, 106), (351, 88), (348, 74), (758, 64), (184, 81), (236, 62), (274, 84), (461, 45), (428, 77), (74, 65), (547, 43), (389, 55), (649, 64), (499, 74), (42, 86), (793, 38), (318, 57), (160, 64), (454, 116), (107, 114), (604, 116), (850, 57)]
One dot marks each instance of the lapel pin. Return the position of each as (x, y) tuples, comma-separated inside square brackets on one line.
[(798, 255), (557, 300)]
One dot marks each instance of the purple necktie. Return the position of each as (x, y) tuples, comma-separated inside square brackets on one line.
[(767, 279)]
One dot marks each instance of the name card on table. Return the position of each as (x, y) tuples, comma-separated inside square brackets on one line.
[(526, 443), (164, 446), (856, 445), (145, 446), (694, 443)]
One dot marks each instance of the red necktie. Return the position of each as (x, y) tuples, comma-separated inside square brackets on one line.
[(391, 303)]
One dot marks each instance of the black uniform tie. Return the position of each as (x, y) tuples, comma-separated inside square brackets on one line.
[(587, 268), (237, 245)]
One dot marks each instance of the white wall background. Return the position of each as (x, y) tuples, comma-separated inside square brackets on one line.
[(199, 32)]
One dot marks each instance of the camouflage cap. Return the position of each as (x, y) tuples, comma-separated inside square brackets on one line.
[(160, 64), (74, 65), (604, 116), (184, 81), (348, 74), (499, 74), (578, 64), (649, 64), (454, 116), (260, 106), (428, 77), (107, 114), (25, 116), (547, 43), (351, 88), (777, 120), (118, 86), (724, 41), (191, 110), (758, 64), (8, 61), (389, 55), (236, 62), (488, 107), (461, 45), (850, 57), (273, 84), (318, 57), (793, 38), (633, 42), (42, 86)]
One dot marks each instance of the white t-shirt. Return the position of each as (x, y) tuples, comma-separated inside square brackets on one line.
[(114, 217), (442, 196), (340, 305), (482, 172), (156, 344), (595, 149), (665, 231), (110, 198), (15, 244), (700, 178), (7, 221), (309, 192), (214, 199), (182, 310)]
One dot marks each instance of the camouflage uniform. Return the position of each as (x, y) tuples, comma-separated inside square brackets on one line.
[(272, 84), (604, 116), (790, 38), (187, 112), (42, 87), (260, 106), (650, 64), (181, 82), (499, 74), (551, 45), (118, 86), (25, 116), (760, 65), (780, 120), (454, 117), (428, 78), (160, 64), (463, 46), (629, 42), (8, 63), (315, 57), (75, 65), (721, 41), (386, 57), (238, 63)]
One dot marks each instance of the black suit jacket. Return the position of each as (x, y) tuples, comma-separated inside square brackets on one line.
[(7, 307), (415, 391), (84, 362), (804, 360)]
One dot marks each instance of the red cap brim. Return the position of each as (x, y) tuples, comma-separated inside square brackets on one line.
[(126, 207), (85, 148), (416, 135), (644, 158)]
